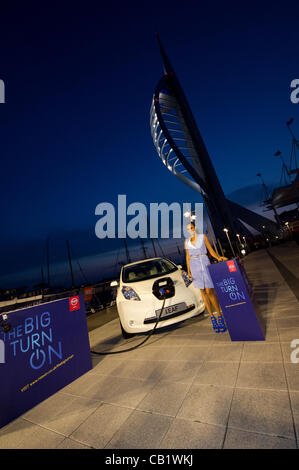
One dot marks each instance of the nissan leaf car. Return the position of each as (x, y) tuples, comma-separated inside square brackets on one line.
[(137, 305)]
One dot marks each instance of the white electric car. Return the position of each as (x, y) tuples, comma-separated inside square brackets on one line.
[(139, 308)]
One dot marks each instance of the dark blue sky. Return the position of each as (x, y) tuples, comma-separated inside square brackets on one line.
[(75, 126)]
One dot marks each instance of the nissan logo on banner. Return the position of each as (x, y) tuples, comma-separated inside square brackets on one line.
[(231, 266), (74, 303)]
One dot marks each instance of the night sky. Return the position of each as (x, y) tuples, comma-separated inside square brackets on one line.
[(79, 80)]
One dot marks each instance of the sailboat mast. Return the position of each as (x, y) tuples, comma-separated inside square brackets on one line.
[(143, 248), (70, 262), (127, 251), (48, 261)]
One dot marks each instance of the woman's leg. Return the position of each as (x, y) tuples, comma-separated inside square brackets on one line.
[(211, 294), (206, 300), (210, 310)]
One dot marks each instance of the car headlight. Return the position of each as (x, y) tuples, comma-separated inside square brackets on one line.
[(129, 293), (186, 279)]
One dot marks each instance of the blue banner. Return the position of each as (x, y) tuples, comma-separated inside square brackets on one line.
[(234, 293), (46, 349)]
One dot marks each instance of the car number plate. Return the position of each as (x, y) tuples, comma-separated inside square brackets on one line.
[(171, 309)]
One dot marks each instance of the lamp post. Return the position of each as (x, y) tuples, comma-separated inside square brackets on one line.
[(240, 243), (264, 235), (239, 246), (246, 244), (289, 230), (231, 247)]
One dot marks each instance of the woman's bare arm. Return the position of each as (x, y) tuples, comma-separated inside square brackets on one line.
[(212, 252)]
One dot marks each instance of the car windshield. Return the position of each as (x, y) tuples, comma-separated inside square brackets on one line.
[(147, 270)]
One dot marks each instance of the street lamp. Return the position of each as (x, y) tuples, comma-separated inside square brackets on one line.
[(231, 247), (288, 227), (240, 244), (238, 235), (245, 243), (264, 233)]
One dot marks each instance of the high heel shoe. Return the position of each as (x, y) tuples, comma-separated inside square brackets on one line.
[(222, 325), (215, 324)]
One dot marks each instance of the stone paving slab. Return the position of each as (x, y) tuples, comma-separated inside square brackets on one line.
[(181, 371), (295, 408), (264, 411), (21, 434), (262, 352), (62, 413), (207, 403), (141, 431), (262, 376), (100, 427), (217, 373), (70, 444), (186, 387), (237, 439), (165, 398), (185, 434)]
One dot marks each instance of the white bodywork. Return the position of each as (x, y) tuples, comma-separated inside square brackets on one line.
[(133, 313)]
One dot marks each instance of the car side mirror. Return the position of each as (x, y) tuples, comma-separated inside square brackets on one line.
[(114, 284), (179, 266)]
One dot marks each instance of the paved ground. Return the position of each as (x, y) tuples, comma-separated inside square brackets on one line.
[(97, 319), (187, 387)]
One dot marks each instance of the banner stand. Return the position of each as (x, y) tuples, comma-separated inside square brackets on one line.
[(240, 310), (46, 349)]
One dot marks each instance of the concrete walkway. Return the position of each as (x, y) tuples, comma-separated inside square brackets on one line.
[(186, 387)]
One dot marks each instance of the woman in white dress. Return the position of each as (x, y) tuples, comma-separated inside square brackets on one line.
[(197, 261)]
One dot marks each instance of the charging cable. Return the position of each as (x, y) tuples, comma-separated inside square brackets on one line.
[(137, 345), (162, 289)]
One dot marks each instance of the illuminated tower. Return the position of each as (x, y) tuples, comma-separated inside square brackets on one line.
[(182, 150)]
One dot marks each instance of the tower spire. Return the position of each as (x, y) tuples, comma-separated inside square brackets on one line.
[(168, 69), (181, 148)]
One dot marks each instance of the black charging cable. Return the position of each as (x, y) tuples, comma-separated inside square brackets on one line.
[(137, 345)]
